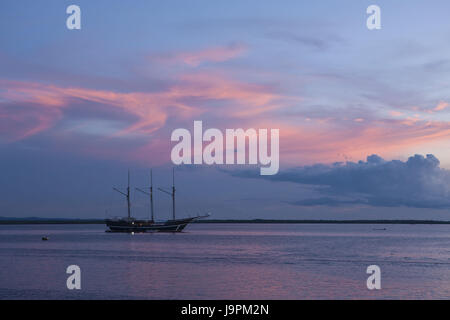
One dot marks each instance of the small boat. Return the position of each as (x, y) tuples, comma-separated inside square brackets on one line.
[(44, 238), (132, 225)]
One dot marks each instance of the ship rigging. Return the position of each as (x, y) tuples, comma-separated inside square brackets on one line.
[(130, 224)]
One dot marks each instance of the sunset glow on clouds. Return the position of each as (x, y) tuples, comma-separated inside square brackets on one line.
[(336, 92), (195, 58), (184, 101), (32, 108)]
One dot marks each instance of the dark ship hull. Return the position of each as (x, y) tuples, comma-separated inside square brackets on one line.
[(132, 225)]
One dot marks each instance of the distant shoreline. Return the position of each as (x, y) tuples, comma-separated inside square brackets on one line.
[(21, 221)]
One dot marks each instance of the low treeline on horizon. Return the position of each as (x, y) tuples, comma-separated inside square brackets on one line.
[(36, 220)]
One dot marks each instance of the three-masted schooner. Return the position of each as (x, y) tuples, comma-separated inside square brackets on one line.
[(130, 224)]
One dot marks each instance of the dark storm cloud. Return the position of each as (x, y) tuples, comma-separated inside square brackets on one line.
[(418, 182)]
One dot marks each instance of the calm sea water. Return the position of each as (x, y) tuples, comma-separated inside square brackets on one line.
[(227, 261)]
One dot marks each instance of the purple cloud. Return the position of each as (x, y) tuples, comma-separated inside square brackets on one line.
[(418, 182)]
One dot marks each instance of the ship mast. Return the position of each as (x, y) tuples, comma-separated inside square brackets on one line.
[(171, 193), (126, 195), (149, 194)]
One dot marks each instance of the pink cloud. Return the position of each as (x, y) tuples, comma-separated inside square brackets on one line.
[(28, 108), (195, 58), (191, 97), (441, 106), (312, 143), (49, 97), (396, 113), (24, 122)]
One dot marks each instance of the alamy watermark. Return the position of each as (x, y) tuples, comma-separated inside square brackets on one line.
[(373, 22), (74, 280), (73, 22), (374, 280), (191, 150)]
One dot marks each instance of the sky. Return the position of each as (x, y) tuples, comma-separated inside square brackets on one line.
[(363, 114)]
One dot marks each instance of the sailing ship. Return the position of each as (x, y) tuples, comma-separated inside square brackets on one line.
[(132, 225)]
